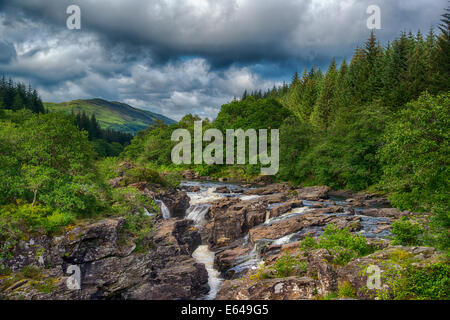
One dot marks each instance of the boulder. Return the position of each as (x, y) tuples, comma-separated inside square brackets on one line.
[(109, 267), (291, 288), (393, 213), (313, 193), (177, 202), (231, 219), (285, 207), (285, 227), (270, 189)]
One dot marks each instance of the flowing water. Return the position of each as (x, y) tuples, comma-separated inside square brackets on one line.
[(200, 202), (206, 256), (164, 210)]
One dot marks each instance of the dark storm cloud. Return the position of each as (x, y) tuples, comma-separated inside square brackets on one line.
[(7, 52), (179, 56)]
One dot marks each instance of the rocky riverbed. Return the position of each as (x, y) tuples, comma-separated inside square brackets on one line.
[(209, 242)]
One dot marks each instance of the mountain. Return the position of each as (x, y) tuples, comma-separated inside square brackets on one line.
[(111, 114)]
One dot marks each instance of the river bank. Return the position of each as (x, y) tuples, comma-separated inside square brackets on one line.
[(219, 240)]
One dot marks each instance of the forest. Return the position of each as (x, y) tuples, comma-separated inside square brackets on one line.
[(379, 123)]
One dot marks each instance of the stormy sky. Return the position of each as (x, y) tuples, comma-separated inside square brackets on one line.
[(187, 56)]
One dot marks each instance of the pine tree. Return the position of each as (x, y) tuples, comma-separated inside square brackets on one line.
[(443, 54)]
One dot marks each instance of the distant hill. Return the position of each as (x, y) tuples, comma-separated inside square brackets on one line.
[(110, 114)]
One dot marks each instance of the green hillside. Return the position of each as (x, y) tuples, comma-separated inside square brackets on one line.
[(113, 115)]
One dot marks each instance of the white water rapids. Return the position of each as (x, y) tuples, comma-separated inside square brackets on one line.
[(200, 203)]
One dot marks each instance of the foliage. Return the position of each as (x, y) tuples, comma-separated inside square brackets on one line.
[(287, 266), (416, 154), (118, 117), (429, 282), (407, 232), (341, 243)]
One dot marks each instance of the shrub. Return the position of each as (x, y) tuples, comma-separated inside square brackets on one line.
[(288, 266), (308, 243), (407, 232), (343, 244), (430, 282)]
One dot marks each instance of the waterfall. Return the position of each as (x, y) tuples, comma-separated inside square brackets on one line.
[(164, 210), (197, 213), (206, 256)]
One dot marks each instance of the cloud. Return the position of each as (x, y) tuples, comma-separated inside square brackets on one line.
[(180, 56), (7, 52)]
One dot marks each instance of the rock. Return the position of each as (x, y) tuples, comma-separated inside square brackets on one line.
[(285, 227), (335, 209), (383, 212), (354, 273), (191, 188), (177, 202), (232, 218), (319, 265), (291, 288), (222, 189), (313, 193), (270, 189), (285, 207), (110, 270), (340, 193), (189, 175), (275, 198), (229, 258), (116, 182)]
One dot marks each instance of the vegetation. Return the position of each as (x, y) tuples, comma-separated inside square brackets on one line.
[(408, 280), (110, 115), (341, 243), (380, 121), (407, 232)]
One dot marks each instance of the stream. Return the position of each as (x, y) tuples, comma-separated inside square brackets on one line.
[(200, 202)]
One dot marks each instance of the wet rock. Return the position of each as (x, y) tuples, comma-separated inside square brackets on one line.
[(191, 188), (285, 227), (313, 193), (285, 207), (232, 218), (177, 202), (222, 189), (229, 258), (189, 175)]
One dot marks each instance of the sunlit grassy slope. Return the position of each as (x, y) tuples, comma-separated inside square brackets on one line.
[(113, 115)]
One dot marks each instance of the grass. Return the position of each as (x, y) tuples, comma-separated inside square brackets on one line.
[(110, 115)]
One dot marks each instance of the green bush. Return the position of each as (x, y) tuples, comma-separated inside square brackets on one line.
[(343, 244), (340, 242), (308, 243), (407, 232), (431, 282), (287, 266)]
